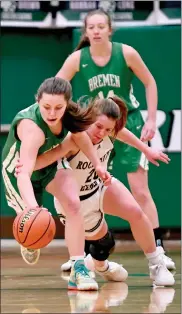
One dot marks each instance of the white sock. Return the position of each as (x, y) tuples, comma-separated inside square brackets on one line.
[(76, 258), (154, 257), (104, 267)]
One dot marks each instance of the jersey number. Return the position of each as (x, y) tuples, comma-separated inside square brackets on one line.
[(92, 176), (110, 94)]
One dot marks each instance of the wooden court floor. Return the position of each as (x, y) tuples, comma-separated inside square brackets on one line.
[(43, 288)]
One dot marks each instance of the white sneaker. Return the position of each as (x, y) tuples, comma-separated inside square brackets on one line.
[(115, 272), (30, 256), (66, 266), (80, 278), (167, 260), (160, 275)]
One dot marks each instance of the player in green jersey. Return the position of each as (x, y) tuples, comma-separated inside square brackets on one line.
[(36, 130), (104, 68)]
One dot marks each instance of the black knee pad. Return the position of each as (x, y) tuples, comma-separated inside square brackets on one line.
[(101, 249), (87, 247)]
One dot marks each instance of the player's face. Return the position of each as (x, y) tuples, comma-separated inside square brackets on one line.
[(97, 29), (52, 108), (101, 128)]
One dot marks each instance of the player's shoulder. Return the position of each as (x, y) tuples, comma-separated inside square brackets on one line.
[(129, 53), (129, 50), (75, 56)]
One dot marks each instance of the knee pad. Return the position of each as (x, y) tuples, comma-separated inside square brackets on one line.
[(102, 248)]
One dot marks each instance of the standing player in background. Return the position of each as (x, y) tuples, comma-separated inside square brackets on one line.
[(35, 130), (105, 68)]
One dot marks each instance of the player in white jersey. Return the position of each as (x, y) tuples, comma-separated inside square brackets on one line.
[(115, 199)]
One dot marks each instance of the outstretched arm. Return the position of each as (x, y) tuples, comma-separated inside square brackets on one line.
[(68, 146), (32, 138), (152, 155)]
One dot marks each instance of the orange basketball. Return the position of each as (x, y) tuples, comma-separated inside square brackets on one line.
[(34, 229)]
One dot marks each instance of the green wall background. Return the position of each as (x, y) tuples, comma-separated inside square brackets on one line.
[(29, 56)]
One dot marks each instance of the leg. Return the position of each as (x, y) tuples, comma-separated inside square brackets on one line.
[(125, 206), (139, 186), (101, 246), (138, 182), (65, 189)]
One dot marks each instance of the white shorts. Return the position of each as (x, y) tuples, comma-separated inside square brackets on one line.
[(91, 208)]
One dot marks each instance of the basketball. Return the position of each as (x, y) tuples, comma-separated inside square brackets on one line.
[(34, 229)]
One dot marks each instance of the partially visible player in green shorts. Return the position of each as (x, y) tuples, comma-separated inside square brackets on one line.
[(103, 68), (34, 131)]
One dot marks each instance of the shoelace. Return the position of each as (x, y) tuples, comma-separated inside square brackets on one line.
[(81, 270)]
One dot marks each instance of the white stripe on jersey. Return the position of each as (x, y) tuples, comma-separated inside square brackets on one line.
[(83, 169)]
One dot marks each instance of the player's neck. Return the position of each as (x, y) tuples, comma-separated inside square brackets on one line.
[(56, 129), (101, 50)]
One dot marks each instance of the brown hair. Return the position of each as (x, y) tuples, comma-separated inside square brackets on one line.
[(55, 86), (75, 118), (114, 108), (84, 41)]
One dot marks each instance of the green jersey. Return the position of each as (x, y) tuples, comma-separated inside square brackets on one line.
[(11, 149), (104, 81)]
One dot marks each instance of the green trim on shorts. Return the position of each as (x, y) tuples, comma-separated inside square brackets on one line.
[(63, 164)]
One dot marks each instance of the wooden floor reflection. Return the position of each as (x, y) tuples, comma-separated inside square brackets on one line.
[(43, 289)]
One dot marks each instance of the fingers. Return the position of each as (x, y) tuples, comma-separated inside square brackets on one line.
[(153, 161), (164, 158)]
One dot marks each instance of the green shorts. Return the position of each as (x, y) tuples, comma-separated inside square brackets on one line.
[(12, 193), (128, 158)]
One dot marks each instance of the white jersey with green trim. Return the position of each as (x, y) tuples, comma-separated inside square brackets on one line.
[(84, 171)]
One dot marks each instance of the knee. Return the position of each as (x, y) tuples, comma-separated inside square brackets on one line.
[(136, 214), (102, 248), (141, 195), (71, 205)]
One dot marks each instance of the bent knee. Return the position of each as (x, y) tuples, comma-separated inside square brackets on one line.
[(71, 206), (136, 214)]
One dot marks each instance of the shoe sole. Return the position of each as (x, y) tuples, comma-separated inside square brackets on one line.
[(83, 288), (31, 264)]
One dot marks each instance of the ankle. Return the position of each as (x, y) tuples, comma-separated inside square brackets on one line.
[(103, 267), (154, 257)]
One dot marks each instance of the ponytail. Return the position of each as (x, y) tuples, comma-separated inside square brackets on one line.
[(77, 119), (121, 122), (84, 42)]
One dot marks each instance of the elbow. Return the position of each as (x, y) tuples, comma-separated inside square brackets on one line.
[(151, 83)]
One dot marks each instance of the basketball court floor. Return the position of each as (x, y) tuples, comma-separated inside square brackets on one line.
[(42, 288)]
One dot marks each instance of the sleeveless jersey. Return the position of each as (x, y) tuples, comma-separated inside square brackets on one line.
[(11, 149), (84, 171), (104, 81)]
